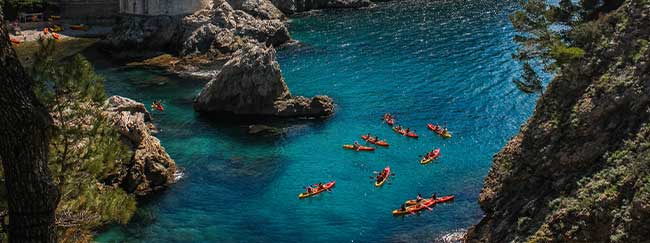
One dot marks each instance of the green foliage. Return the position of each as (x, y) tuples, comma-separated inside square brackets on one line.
[(553, 34), (85, 148), (563, 54)]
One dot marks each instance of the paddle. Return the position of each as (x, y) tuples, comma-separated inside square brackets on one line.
[(427, 207)]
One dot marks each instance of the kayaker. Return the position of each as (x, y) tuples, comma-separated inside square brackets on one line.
[(444, 130), (418, 198), (320, 186), (408, 130), (433, 196), (402, 207), (356, 145), (309, 189)]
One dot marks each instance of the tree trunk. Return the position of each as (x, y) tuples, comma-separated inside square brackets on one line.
[(24, 137)]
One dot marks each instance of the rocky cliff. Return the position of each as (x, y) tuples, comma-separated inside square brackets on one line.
[(217, 29), (243, 32), (579, 169), (150, 168)]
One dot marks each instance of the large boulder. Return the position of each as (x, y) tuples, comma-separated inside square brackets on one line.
[(251, 83), (262, 9), (151, 168)]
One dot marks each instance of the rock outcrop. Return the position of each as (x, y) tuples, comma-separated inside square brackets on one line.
[(151, 168), (579, 170), (219, 28), (294, 6), (251, 83)]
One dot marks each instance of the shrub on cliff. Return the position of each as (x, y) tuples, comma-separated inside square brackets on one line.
[(85, 149)]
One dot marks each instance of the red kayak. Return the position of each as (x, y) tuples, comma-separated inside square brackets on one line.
[(360, 148), (316, 191), (403, 132), (158, 107), (426, 160), (374, 141), (438, 130), (438, 200), (424, 204), (384, 178), (389, 119)]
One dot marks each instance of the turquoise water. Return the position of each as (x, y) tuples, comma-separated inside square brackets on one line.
[(425, 61)]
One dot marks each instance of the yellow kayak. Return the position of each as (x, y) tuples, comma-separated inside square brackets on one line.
[(386, 173)]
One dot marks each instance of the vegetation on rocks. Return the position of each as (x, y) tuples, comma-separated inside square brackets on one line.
[(578, 171), (85, 149)]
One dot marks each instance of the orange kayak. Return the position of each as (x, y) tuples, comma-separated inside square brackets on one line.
[(382, 180), (316, 191), (15, 41), (375, 142), (423, 205), (56, 36), (403, 132), (438, 200), (360, 148)]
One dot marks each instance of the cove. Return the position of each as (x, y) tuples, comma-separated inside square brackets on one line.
[(424, 61)]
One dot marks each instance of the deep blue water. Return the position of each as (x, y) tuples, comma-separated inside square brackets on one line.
[(425, 61)]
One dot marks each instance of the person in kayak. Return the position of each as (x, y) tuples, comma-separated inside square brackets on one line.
[(408, 130), (309, 189), (418, 198), (320, 186), (433, 196), (402, 207), (356, 145)]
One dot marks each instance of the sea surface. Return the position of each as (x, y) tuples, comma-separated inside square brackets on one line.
[(446, 62)]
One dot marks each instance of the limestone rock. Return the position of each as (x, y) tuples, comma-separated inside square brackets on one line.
[(262, 9), (151, 168), (252, 84)]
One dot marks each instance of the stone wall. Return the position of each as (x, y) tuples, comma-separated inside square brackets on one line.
[(161, 7), (87, 10)]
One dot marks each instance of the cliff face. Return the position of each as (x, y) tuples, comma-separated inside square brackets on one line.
[(579, 170), (150, 169)]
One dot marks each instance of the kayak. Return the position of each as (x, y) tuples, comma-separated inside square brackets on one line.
[(361, 148), (375, 142), (316, 191), (56, 36), (403, 132), (437, 130), (15, 41), (386, 172), (158, 107), (436, 154), (79, 27), (389, 120), (438, 200), (418, 207)]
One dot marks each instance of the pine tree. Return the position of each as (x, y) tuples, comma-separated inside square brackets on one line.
[(86, 154), (553, 34)]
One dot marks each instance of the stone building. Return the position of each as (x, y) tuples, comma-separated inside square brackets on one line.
[(161, 7), (89, 10)]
